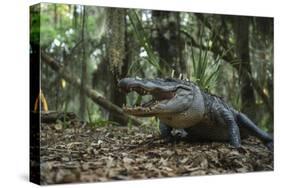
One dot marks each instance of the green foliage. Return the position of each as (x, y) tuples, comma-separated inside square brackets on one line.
[(35, 24), (151, 124), (97, 23), (138, 100), (35, 29), (64, 122), (98, 121), (205, 72), (52, 28), (101, 123), (143, 40)]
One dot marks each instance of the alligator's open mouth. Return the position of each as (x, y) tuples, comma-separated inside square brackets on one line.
[(147, 108)]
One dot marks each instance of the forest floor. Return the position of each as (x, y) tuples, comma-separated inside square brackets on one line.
[(77, 152)]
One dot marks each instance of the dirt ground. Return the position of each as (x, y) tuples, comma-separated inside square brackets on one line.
[(77, 152)]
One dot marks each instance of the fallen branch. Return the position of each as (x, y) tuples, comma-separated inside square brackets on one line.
[(94, 95), (52, 117)]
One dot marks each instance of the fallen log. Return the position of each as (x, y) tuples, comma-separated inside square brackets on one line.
[(94, 95)]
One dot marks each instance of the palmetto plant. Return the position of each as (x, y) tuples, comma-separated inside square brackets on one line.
[(205, 70), (143, 39)]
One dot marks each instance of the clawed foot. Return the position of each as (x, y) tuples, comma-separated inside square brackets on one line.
[(173, 139)]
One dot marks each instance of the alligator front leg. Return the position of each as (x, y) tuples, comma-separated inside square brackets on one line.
[(166, 132), (233, 129)]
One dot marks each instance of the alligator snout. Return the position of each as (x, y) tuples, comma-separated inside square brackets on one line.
[(145, 85), (125, 83)]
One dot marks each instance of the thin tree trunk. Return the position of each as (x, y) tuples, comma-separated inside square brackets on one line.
[(166, 41), (116, 27), (75, 15), (82, 110), (181, 60), (55, 15), (241, 32)]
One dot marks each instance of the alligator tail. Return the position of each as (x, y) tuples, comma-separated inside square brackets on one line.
[(253, 129)]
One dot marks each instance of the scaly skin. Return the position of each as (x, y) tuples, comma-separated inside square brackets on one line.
[(182, 104)]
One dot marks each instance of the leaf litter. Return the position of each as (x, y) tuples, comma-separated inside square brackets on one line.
[(81, 153)]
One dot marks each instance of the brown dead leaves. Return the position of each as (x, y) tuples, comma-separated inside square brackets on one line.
[(74, 154)]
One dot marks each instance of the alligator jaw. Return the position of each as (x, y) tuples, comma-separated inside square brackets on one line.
[(148, 108)]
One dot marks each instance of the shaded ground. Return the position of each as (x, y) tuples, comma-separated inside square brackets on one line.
[(75, 152)]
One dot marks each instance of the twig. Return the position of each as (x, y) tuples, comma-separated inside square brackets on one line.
[(62, 150)]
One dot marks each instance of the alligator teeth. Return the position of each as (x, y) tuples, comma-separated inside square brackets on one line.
[(173, 73), (138, 78), (180, 76)]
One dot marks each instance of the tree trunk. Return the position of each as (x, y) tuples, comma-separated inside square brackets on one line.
[(82, 110), (75, 16), (166, 41), (55, 16), (116, 27), (241, 33), (181, 59)]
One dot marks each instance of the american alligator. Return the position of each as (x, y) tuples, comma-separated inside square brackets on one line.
[(181, 104)]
